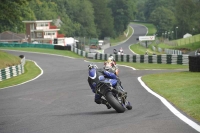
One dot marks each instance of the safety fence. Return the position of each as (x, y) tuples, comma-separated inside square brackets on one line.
[(172, 51), (159, 59), (12, 71), (167, 51)]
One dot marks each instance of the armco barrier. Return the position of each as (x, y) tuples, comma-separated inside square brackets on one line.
[(12, 71), (81, 53)]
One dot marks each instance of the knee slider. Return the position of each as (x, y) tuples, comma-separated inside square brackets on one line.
[(98, 101)]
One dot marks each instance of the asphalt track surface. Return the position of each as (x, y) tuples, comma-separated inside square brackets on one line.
[(139, 30), (60, 101)]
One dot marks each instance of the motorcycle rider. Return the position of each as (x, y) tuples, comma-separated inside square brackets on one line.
[(95, 76), (110, 65)]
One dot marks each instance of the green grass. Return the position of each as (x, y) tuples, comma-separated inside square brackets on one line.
[(7, 60), (115, 41), (139, 49), (43, 50), (31, 71), (189, 40), (180, 88), (151, 28), (192, 47)]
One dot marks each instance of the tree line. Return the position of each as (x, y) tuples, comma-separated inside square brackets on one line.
[(90, 18), (103, 18), (176, 17)]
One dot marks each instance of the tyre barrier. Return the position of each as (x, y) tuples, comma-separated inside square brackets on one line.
[(59, 47), (158, 59), (194, 63), (12, 71)]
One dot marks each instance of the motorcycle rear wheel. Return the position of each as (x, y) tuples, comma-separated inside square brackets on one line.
[(114, 102)]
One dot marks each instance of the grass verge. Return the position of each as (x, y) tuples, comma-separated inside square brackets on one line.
[(115, 41), (50, 51), (7, 60), (31, 71), (151, 28), (179, 88)]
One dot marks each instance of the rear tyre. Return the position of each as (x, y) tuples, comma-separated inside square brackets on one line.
[(114, 102)]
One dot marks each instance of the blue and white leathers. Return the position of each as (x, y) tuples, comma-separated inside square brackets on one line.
[(96, 75)]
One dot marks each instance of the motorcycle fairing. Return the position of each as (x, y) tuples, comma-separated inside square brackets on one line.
[(92, 73)]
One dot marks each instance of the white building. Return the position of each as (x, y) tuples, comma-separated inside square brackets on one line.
[(42, 31)]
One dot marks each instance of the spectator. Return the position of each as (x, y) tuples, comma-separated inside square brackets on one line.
[(121, 50), (119, 53), (114, 51)]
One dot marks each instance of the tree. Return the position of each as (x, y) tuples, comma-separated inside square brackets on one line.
[(186, 13), (44, 10), (123, 12), (103, 18), (140, 11), (12, 14), (162, 18), (82, 12), (151, 5)]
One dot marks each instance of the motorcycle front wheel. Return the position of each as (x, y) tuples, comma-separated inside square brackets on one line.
[(114, 102)]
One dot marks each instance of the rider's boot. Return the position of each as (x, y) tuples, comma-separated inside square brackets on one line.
[(119, 88), (100, 100), (106, 103)]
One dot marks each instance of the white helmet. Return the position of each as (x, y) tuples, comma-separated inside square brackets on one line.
[(111, 58)]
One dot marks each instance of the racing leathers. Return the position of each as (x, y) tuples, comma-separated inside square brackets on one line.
[(97, 75)]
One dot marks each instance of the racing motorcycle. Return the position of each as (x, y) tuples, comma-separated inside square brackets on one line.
[(115, 97)]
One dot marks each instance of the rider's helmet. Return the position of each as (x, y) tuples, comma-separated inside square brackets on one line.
[(92, 70), (110, 59), (90, 66)]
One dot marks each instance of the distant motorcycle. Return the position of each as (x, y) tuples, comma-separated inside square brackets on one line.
[(115, 97)]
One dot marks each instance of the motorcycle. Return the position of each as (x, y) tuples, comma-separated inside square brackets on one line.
[(115, 97)]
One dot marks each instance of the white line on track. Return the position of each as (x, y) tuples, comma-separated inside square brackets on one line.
[(163, 100), (171, 108), (118, 65), (167, 104)]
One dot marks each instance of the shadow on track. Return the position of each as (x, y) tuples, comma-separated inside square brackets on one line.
[(90, 113)]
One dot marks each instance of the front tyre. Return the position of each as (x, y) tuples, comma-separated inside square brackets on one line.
[(128, 106), (114, 102)]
